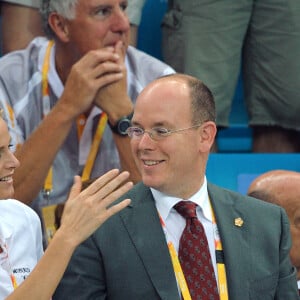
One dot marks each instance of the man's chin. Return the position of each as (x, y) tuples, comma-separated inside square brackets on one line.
[(151, 182)]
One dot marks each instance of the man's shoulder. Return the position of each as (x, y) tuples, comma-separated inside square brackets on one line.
[(239, 199), (17, 64), (228, 205), (138, 194), (35, 45)]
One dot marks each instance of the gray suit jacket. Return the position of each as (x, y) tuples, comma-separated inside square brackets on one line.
[(127, 257)]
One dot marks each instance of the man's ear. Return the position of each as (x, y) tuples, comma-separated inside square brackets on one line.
[(208, 133), (59, 25), (295, 221)]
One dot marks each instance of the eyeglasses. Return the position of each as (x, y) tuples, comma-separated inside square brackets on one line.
[(156, 133)]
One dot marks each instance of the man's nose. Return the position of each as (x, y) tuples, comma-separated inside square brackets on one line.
[(146, 140), (120, 22)]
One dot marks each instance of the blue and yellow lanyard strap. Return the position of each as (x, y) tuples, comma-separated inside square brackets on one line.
[(223, 291), (48, 184)]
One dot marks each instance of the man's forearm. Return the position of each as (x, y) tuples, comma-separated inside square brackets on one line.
[(37, 155)]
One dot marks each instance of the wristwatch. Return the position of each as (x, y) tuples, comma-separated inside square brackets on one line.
[(121, 125)]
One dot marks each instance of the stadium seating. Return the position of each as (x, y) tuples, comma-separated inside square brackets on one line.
[(235, 171), (236, 138)]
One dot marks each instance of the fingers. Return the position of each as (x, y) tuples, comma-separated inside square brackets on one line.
[(98, 62), (120, 50), (114, 189), (106, 201), (96, 57), (87, 210), (106, 68), (107, 183), (108, 188), (101, 62), (117, 207), (94, 71), (76, 188), (108, 78), (100, 68)]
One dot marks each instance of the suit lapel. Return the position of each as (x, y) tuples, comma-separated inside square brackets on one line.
[(234, 236), (143, 225)]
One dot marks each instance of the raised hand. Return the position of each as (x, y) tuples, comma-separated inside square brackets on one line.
[(85, 211), (94, 71), (113, 98)]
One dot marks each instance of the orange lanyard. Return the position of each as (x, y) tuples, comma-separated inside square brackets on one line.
[(223, 291), (13, 281), (48, 184)]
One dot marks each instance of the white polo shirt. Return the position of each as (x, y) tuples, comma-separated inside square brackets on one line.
[(20, 243)]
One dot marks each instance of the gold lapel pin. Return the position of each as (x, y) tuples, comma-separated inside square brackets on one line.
[(238, 222)]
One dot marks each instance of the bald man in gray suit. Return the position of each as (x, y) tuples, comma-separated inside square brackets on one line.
[(172, 132)]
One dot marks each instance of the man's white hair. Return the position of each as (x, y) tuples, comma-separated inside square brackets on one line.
[(66, 8)]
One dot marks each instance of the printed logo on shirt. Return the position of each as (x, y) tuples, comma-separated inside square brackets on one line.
[(21, 270)]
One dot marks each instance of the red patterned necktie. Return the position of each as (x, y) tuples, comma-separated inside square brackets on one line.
[(194, 255)]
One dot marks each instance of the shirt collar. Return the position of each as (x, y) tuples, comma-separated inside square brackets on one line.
[(165, 203)]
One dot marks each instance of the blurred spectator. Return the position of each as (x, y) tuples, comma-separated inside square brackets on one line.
[(20, 23), (134, 11), (282, 187), (211, 39), (173, 128), (68, 101)]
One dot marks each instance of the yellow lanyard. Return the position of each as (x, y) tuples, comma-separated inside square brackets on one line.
[(176, 265), (223, 291), (95, 147), (48, 184), (46, 108)]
